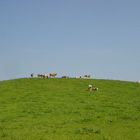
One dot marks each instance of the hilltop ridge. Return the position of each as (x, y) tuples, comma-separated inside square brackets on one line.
[(61, 109)]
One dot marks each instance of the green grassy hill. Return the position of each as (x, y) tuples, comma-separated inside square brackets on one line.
[(63, 109)]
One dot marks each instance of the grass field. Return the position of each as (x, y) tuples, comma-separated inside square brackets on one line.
[(63, 109)]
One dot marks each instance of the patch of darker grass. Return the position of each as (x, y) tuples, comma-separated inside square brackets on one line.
[(87, 131), (2, 132)]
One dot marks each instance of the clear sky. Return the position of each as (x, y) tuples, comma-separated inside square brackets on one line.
[(70, 37)]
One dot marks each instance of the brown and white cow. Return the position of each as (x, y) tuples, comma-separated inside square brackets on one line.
[(53, 75)]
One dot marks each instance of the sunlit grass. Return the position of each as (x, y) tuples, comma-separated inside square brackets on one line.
[(63, 109)]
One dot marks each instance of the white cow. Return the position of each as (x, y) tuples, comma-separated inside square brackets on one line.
[(78, 77), (34, 75), (46, 75), (86, 76)]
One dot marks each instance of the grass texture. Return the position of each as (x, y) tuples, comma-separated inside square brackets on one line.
[(63, 109)]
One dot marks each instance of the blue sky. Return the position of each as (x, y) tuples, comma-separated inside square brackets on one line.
[(70, 37)]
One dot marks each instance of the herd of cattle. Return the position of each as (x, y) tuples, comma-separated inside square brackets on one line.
[(50, 75), (53, 75), (91, 88)]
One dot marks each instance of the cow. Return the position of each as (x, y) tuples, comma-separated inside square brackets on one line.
[(95, 89), (52, 75), (46, 75), (32, 75), (40, 75), (87, 76), (78, 77), (91, 88)]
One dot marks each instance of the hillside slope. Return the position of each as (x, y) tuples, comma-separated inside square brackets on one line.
[(62, 109)]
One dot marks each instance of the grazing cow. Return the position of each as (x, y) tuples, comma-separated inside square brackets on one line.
[(46, 75), (95, 89), (87, 76), (53, 75), (41, 76), (91, 88)]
